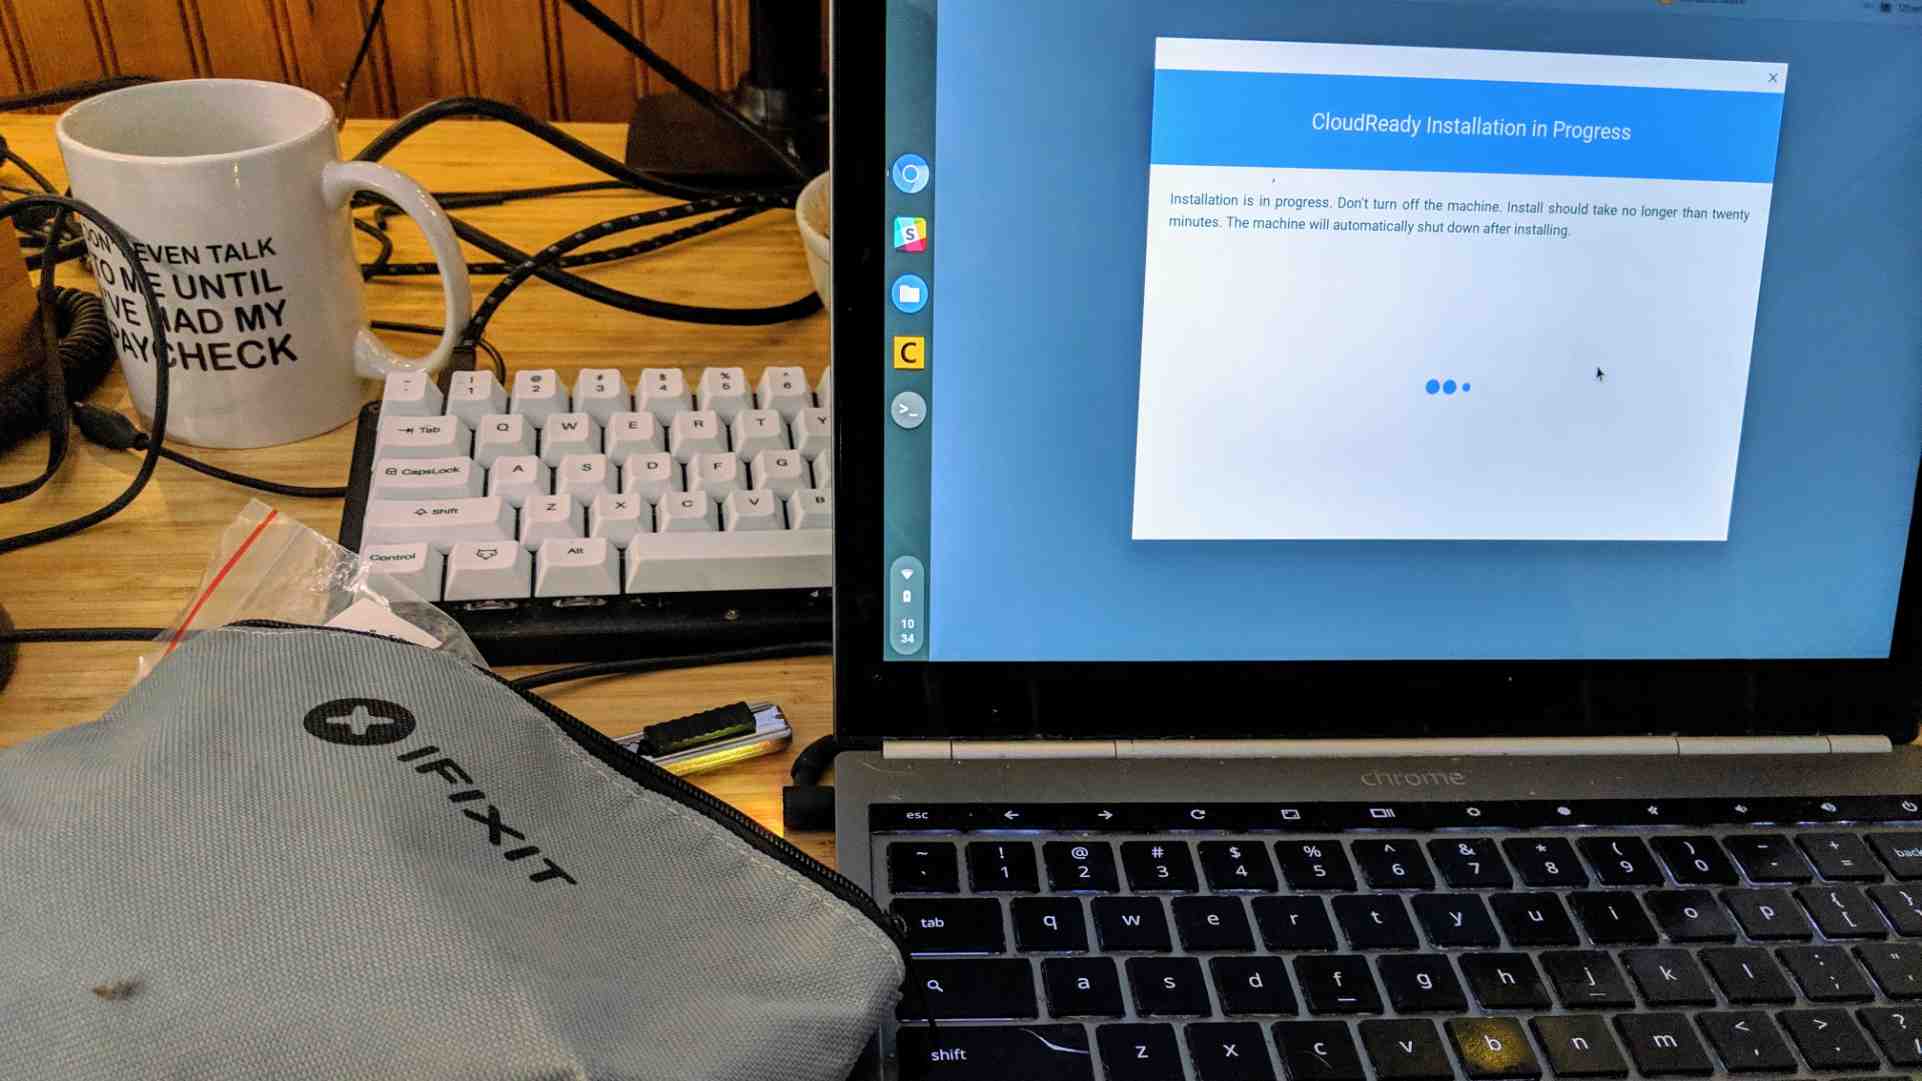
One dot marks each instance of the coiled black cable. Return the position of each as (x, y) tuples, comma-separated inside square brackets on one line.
[(85, 357)]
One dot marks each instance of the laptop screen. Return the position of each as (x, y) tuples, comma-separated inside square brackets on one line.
[(1400, 329)]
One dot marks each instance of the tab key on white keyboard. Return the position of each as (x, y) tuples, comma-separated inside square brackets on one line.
[(421, 437)]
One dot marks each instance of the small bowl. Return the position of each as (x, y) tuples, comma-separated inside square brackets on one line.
[(814, 215)]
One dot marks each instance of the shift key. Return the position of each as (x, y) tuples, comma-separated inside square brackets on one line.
[(1039, 1053), (441, 523), (969, 991), (1901, 851)]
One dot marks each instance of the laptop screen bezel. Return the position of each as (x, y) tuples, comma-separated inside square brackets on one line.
[(877, 699)]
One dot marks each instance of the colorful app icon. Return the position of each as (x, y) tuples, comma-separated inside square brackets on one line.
[(911, 173), (910, 293), (910, 234), (911, 354)]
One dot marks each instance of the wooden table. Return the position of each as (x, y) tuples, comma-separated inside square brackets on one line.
[(141, 566)]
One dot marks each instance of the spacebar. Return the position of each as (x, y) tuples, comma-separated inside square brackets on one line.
[(1040, 1053), (753, 559)]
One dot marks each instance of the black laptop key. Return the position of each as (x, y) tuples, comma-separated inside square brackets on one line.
[(1213, 924), (1494, 1049), (1668, 977), (1903, 907), (1393, 865), (1231, 865), (1533, 919), (1229, 1052), (1827, 974), (1001, 990), (1130, 924), (1318, 1051), (1406, 1050), (1253, 985), (1375, 921), (1168, 987), (1470, 863), (1843, 912), (1748, 976), (1696, 861), (1455, 920), (1841, 857), (1747, 1041), (1314, 865), (1033, 1053), (1769, 857), (1545, 861), (1080, 866), (1769, 915), (1082, 987), (1139, 1053), (1828, 1039), (1662, 1044), (1690, 916), (1587, 979), (1289, 924), (1621, 861), (1896, 966), (1613, 918), (1898, 1029), (1158, 867), (1580, 1045), (952, 925), (1421, 983), (1900, 852), (922, 867), (1337, 984), (1048, 925), (1504, 981), (1003, 867)]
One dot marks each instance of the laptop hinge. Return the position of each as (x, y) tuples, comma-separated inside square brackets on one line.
[(1584, 746)]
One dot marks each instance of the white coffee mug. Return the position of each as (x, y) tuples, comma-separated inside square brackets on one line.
[(236, 195)]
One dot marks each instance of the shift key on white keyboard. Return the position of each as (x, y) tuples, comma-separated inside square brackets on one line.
[(704, 562), (441, 523)]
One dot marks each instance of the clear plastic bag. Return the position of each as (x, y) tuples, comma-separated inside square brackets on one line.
[(269, 566)]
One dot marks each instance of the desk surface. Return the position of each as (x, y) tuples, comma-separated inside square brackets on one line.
[(141, 566)]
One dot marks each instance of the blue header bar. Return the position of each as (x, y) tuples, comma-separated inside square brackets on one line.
[(1396, 124)]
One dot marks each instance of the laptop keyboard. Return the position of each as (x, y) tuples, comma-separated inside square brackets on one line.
[(1407, 942)]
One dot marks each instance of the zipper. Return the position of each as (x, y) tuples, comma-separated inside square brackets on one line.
[(638, 769)]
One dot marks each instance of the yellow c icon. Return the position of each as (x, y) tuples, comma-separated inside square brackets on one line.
[(911, 354)]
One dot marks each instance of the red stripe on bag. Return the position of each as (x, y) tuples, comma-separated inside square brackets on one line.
[(218, 575)]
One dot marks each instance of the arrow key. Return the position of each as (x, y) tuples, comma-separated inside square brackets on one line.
[(1747, 1041), (488, 570)]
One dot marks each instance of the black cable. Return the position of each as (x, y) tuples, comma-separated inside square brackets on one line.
[(599, 257), (33, 174), (368, 270), (360, 56), (86, 356), (81, 634), (636, 666), (500, 362), (60, 95), (106, 428)]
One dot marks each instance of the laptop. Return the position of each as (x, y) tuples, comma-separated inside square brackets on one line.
[(1378, 537)]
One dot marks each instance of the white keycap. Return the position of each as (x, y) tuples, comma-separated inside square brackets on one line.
[(586, 567), (724, 392), (784, 390), (662, 392), (569, 433), (824, 390), (473, 395), (691, 433), (751, 510), (753, 559), (519, 478), (441, 523), (498, 434), (684, 512), (813, 433), (409, 394), (549, 517), (583, 476), (421, 437), (630, 433), (619, 518), (651, 475), (756, 430), (425, 478), (416, 566), (810, 508), (600, 393), (485, 572), (538, 394), (717, 473), (824, 471), (781, 471)]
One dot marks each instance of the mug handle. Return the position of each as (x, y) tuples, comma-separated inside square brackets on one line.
[(372, 358)]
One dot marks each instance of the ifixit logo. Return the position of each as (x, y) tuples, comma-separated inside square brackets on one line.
[(498, 831)]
